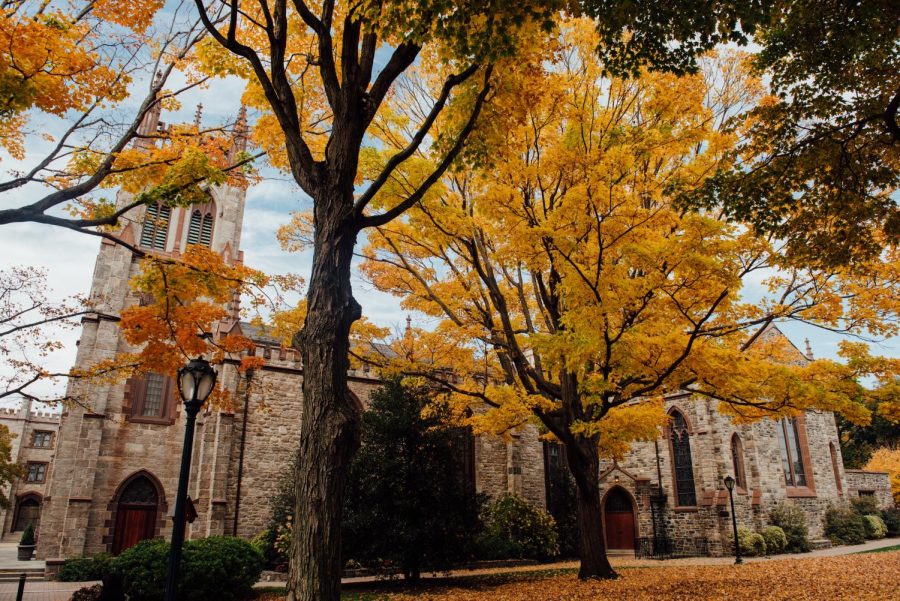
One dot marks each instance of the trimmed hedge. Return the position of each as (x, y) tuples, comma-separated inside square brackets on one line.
[(752, 544), (84, 569), (891, 519), (844, 526), (776, 540), (792, 521), (219, 568), (875, 526)]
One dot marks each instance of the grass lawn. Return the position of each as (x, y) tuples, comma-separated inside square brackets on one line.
[(881, 550), (820, 579)]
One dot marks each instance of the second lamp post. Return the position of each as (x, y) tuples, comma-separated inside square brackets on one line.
[(729, 484), (195, 381)]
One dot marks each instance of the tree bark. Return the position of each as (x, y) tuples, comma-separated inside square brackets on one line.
[(584, 462), (329, 430)]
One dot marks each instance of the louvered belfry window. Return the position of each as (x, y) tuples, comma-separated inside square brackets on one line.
[(156, 226), (201, 226)]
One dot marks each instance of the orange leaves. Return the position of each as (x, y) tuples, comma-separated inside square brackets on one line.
[(887, 460), (860, 577), (47, 62)]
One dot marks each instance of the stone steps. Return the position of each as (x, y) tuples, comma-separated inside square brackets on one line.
[(13, 574)]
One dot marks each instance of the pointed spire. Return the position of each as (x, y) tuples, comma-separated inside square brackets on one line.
[(150, 122), (809, 353), (240, 135), (198, 114), (408, 324)]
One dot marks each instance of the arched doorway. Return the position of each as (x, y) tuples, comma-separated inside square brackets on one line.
[(618, 520), (137, 510), (28, 511)]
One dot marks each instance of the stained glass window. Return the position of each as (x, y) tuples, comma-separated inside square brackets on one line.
[(685, 493)]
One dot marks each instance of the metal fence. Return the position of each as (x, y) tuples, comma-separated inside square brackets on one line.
[(663, 547)]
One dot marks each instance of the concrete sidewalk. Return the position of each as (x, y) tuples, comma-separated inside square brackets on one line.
[(62, 591)]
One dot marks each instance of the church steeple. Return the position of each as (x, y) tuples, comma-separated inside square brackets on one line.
[(240, 135), (150, 122)]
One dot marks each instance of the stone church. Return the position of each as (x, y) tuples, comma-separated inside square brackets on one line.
[(114, 468)]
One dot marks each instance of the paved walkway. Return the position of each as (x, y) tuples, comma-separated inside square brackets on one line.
[(9, 559), (62, 591)]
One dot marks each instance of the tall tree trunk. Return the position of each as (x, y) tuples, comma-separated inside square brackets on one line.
[(584, 462), (329, 430)]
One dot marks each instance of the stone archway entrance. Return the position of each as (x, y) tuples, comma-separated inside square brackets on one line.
[(618, 520), (136, 513), (28, 511)]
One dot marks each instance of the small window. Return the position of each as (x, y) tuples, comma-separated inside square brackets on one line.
[(42, 439), (737, 461), (156, 226), (151, 396), (35, 472), (866, 493)]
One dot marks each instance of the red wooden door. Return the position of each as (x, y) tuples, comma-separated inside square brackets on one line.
[(133, 524), (619, 520)]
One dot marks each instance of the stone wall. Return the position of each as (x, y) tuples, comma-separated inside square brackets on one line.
[(877, 484)]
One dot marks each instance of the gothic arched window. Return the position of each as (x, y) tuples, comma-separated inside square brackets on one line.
[(156, 226), (792, 457), (685, 492), (834, 467), (737, 461), (200, 227)]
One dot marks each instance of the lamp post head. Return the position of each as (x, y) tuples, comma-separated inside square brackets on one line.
[(729, 483), (196, 381)]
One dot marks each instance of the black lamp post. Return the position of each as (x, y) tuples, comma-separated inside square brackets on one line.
[(195, 382), (729, 484)]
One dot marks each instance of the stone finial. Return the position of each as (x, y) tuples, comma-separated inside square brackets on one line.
[(408, 324), (198, 114), (809, 353)]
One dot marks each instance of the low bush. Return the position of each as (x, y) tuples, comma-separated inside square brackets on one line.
[(891, 519), (875, 526), (88, 593), (219, 568), (264, 542), (776, 540), (84, 569), (515, 529), (844, 526), (752, 544), (864, 505), (792, 521)]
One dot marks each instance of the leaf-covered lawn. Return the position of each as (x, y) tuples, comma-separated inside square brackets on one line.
[(858, 577)]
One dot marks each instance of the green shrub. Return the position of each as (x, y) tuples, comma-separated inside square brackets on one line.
[(864, 505), (27, 536), (515, 529), (264, 542), (891, 519), (875, 526), (143, 569), (792, 521), (219, 568), (844, 526), (776, 540), (752, 544), (83, 569), (88, 593)]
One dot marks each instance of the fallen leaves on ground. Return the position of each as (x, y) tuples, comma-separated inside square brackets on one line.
[(859, 577)]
